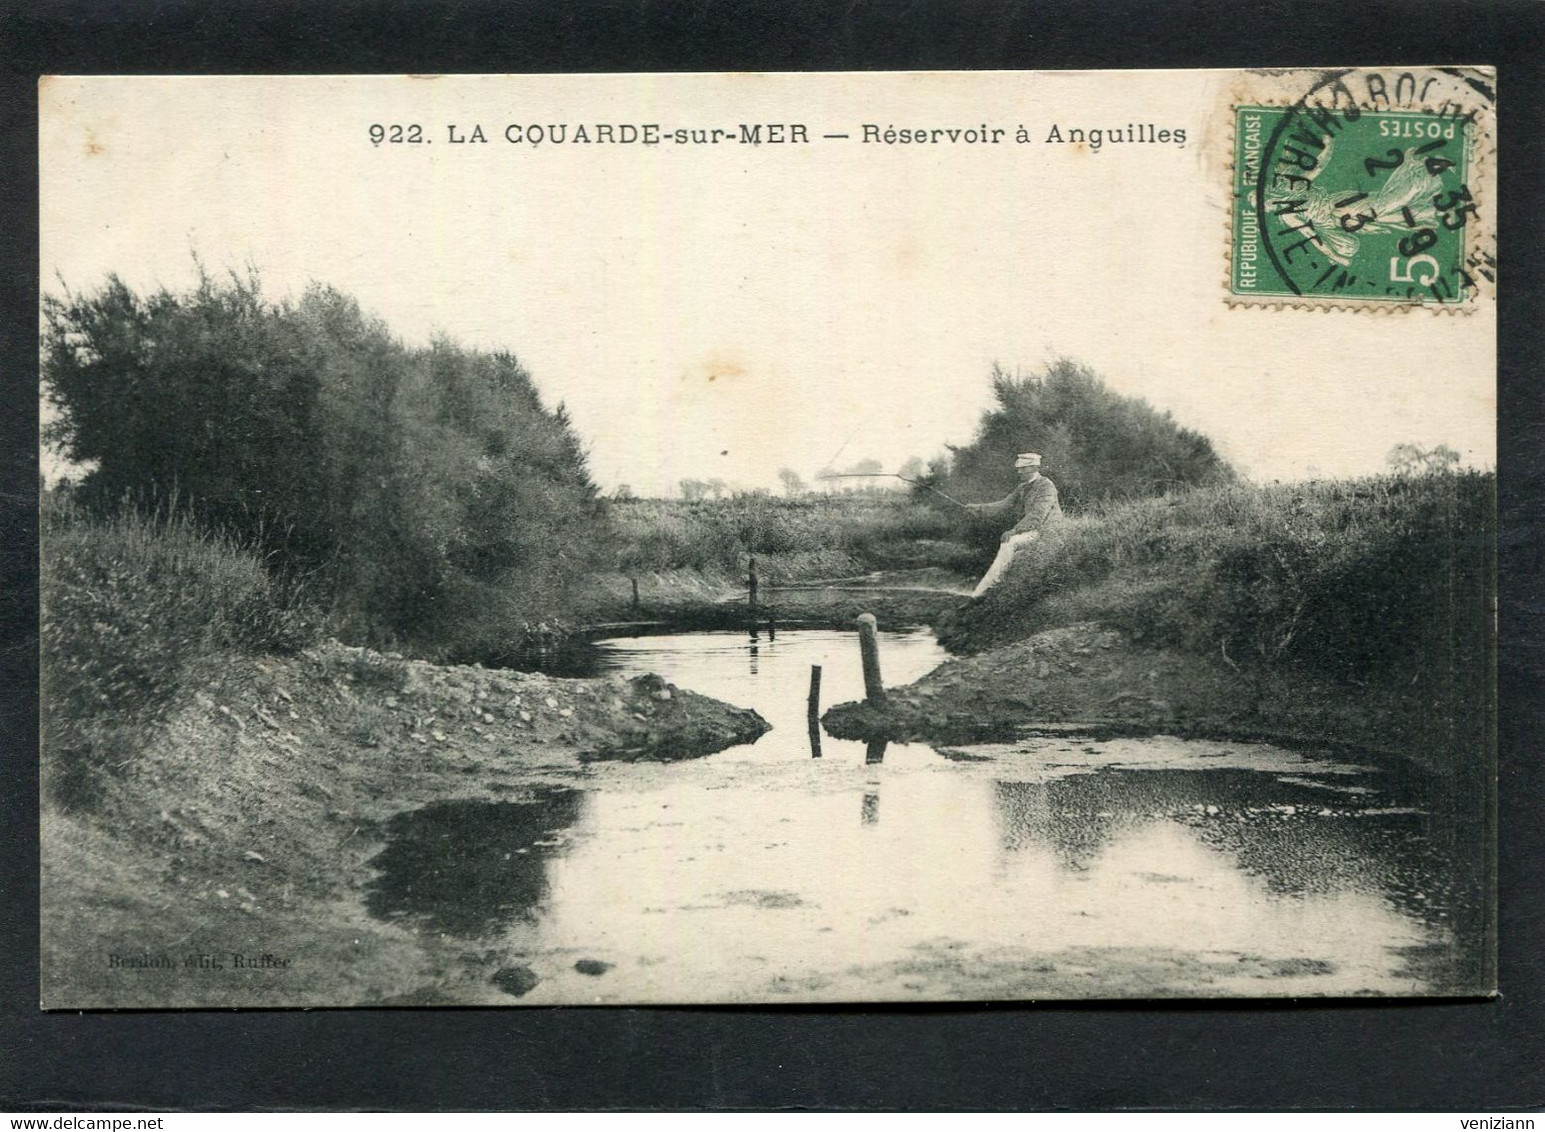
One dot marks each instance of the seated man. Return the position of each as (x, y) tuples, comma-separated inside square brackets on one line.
[(1034, 501)]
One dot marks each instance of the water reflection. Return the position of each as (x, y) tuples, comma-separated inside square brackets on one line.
[(1297, 838), (1243, 870), (869, 812), (471, 868), (705, 880), (1072, 817)]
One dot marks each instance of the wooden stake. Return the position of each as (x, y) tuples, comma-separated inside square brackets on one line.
[(813, 711), (869, 647)]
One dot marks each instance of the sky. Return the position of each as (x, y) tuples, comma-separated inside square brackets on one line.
[(726, 310)]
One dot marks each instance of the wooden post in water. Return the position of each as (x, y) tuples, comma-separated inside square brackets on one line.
[(869, 646), (813, 711), (751, 604)]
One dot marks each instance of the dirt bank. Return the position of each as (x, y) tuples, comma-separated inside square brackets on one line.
[(226, 863), (1092, 675)]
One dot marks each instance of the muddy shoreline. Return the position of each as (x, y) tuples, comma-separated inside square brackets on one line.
[(1096, 679), (247, 825)]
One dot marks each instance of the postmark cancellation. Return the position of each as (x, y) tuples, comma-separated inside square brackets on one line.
[(1367, 189)]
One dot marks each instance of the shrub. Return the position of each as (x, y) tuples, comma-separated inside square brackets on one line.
[(411, 484), (1098, 444)]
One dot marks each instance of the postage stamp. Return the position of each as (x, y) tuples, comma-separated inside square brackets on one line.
[(1369, 190)]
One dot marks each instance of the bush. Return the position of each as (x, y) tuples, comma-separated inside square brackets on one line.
[(130, 606), (415, 486), (1099, 445)]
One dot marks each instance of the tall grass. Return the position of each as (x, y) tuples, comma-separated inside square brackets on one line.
[(802, 537), (131, 604), (1385, 582)]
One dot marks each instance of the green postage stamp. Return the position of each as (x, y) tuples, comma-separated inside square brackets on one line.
[(1372, 189)]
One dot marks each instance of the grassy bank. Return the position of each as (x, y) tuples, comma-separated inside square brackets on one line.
[(1374, 590), (792, 538), (136, 609)]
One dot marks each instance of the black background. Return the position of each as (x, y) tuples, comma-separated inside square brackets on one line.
[(1381, 1055)]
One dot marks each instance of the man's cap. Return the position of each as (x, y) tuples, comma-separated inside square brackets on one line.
[(1028, 460)]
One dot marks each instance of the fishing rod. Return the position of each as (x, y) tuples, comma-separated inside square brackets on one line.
[(890, 474)]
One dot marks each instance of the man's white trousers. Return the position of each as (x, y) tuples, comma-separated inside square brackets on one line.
[(1000, 565)]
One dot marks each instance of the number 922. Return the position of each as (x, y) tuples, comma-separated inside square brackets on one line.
[(397, 135)]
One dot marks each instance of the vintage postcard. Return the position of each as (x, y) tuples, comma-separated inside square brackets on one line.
[(768, 538)]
